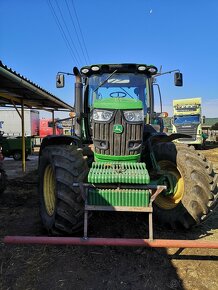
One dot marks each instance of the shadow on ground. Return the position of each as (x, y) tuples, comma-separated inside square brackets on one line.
[(69, 267)]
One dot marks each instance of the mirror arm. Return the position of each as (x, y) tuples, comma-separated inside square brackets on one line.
[(167, 72), (161, 108), (64, 73)]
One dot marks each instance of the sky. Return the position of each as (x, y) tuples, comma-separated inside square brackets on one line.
[(166, 33)]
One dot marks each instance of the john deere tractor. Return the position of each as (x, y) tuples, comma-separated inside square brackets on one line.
[(119, 158)]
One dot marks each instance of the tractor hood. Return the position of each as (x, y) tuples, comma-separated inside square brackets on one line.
[(118, 104)]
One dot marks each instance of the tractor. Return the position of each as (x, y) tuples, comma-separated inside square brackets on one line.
[(119, 158)]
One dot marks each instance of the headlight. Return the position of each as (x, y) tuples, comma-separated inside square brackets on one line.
[(84, 70), (102, 115), (134, 116), (152, 70), (142, 68), (95, 68)]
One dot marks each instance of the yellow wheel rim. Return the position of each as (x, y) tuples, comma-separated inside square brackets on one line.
[(49, 190), (171, 201)]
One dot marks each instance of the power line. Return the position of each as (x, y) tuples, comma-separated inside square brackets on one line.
[(63, 20), (80, 30), (66, 34), (80, 44), (62, 33)]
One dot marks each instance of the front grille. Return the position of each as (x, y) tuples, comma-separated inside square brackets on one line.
[(189, 130), (127, 143)]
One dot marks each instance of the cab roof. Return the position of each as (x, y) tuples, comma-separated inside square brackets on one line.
[(118, 68)]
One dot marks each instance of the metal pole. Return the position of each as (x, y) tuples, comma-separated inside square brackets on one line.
[(110, 242), (23, 138), (53, 123)]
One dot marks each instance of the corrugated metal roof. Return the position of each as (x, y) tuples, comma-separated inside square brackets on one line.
[(14, 88)]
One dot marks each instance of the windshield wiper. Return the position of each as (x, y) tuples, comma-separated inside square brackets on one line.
[(127, 93), (101, 84)]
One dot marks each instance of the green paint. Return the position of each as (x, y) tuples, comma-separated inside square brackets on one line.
[(170, 181), (119, 197), (105, 158), (118, 129), (118, 172), (118, 104)]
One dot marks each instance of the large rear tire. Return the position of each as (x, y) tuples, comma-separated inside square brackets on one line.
[(192, 193), (61, 204)]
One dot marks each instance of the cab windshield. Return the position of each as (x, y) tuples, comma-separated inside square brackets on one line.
[(117, 85), (180, 120)]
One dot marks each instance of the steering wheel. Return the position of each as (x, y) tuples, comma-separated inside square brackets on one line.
[(117, 95)]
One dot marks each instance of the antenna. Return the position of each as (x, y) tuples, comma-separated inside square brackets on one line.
[(160, 70)]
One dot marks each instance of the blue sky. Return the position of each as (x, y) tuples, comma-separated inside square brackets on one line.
[(168, 33)]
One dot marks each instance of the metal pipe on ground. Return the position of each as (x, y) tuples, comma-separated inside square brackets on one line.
[(77, 241)]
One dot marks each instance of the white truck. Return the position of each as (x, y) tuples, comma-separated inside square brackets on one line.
[(11, 122), (188, 119)]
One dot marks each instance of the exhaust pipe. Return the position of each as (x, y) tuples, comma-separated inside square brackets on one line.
[(78, 100)]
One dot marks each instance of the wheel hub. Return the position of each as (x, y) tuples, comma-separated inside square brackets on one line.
[(170, 181), (49, 190), (173, 179)]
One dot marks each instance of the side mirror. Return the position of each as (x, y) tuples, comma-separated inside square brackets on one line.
[(203, 119), (59, 81), (178, 79)]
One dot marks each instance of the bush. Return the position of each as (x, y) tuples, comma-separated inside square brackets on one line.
[(214, 126)]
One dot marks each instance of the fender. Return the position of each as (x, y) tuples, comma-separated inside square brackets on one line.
[(59, 140), (157, 138)]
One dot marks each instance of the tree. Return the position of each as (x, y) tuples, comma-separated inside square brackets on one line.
[(214, 126)]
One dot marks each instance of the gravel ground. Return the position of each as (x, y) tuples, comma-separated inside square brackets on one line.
[(42, 267)]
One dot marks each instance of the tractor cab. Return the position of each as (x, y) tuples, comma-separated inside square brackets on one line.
[(118, 86), (116, 100)]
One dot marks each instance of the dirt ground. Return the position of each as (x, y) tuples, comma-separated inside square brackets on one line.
[(28, 267)]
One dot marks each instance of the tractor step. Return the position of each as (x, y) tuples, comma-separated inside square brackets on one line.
[(144, 197)]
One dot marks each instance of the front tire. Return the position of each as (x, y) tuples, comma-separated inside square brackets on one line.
[(192, 190), (61, 204)]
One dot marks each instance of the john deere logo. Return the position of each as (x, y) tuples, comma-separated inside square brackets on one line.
[(118, 129)]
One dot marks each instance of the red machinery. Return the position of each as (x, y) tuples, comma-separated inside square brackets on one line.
[(46, 128)]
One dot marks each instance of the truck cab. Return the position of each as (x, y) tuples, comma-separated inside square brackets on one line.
[(187, 119)]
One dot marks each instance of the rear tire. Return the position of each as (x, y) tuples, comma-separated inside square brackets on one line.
[(61, 204), (17, 155), (195, 194)]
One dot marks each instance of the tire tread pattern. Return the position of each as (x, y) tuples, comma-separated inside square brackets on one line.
[(201, 192), (69, 166)]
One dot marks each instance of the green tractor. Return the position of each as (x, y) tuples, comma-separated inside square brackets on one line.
[(119, 158)]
